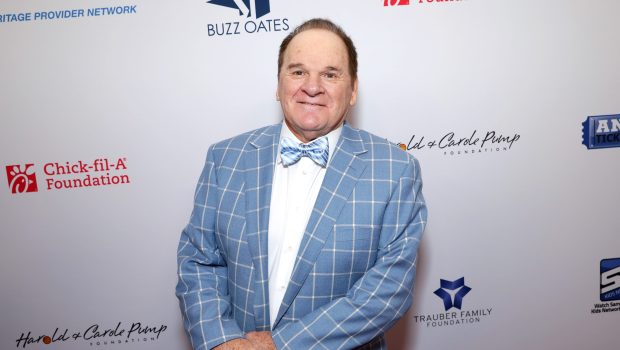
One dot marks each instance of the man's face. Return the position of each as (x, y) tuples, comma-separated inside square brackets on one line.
[(315, 88)]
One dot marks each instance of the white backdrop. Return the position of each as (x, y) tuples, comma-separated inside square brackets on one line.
[(150, 84)]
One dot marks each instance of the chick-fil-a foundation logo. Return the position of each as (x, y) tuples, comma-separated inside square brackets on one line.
[(21, 179), (67, 175)]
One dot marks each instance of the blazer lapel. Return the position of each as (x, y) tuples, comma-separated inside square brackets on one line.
[(259, 165), (341, 176)]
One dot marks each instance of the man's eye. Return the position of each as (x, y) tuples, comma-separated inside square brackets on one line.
[(330, 75), (298, 72)]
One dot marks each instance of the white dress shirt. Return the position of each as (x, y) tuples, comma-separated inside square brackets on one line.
[(293, 194)]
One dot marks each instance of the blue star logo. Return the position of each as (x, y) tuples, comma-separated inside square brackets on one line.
[(459, 284), (246, 8)]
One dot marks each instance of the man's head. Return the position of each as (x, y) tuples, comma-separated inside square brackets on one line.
[(317, 78)]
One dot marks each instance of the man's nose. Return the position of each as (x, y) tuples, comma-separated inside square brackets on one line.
[(313, 85)]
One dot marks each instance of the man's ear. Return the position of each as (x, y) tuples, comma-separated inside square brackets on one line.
[(354, 93)]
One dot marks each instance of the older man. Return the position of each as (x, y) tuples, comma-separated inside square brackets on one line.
[(304, 234)]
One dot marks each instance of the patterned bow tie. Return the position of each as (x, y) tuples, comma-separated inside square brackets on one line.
[(292, 151)]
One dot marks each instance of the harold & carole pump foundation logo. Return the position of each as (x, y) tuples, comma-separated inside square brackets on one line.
[(95, 335), (67, 175), (456, 144)]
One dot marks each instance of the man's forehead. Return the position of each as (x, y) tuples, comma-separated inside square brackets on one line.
[(316, 39), (316, 45)]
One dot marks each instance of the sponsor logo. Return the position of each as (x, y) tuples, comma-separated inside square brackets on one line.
[(601, 131), (246, 8), (69, 175), (20, 179), (610, 279), (395, 2), (458, 287), (254, 12), (609, 287), (96, 335), (390, 3), (453, 144), (66, 14), (451, 294)]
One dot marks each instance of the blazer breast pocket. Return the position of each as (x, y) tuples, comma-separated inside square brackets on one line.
[(353, 249), (348, 233)]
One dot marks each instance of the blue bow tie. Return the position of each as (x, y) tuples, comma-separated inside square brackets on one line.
[(292, 151)]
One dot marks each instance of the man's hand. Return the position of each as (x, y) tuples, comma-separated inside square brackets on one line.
[(237, 344), (261, 340), (252, 341)]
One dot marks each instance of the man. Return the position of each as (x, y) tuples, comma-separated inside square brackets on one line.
[(304, 234)]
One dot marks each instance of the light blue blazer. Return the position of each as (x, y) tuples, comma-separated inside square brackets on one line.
[(353, 276)]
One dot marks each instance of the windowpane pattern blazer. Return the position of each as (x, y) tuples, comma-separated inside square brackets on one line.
[(354, 272)]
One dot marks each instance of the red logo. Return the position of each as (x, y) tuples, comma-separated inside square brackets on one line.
[(21, 181), (395, 2)]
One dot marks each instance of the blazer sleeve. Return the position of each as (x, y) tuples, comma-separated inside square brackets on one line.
[(202, 286), (380, 297)]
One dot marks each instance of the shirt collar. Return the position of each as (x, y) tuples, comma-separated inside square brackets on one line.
[(332, 139)]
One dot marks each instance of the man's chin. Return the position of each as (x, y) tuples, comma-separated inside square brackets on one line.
[(306, 134)]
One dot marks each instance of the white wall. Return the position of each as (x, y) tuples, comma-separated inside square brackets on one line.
[(526, 227)]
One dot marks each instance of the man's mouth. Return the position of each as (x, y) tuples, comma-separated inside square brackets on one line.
[(311, 103)]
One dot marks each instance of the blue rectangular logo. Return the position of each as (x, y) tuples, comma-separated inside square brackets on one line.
[(610, 279), (601, 131)]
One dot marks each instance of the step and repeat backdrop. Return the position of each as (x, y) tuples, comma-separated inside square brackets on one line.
[(512, 107)]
